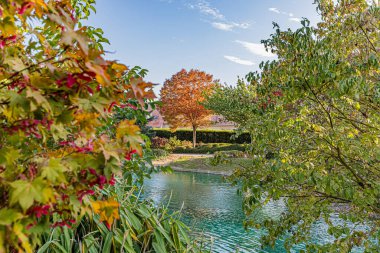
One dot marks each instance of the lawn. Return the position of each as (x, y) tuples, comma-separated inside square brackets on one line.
[(202, 163)]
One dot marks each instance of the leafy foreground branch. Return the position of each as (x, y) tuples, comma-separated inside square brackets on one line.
[(57, 93)]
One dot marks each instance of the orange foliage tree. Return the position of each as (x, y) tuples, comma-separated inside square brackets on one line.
[(182, 96)]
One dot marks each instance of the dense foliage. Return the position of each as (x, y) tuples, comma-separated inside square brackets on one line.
[(205, 136), (60, 151), (314, 118), (181, 98)]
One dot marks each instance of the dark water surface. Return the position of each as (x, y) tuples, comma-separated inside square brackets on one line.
[(212, 207)]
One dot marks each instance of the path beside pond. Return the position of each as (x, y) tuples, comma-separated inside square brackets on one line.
[(200, 163)]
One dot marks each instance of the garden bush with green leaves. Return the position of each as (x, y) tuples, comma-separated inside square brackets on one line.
[(313, 115)]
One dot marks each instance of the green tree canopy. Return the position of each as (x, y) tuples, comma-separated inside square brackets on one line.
[(314, 118)]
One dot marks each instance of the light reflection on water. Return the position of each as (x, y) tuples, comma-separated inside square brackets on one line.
[(212, 208)]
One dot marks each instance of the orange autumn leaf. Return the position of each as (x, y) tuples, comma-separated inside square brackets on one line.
[(140, 89), (108, 211)]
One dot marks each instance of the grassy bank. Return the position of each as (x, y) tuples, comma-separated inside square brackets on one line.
[(202, 163)]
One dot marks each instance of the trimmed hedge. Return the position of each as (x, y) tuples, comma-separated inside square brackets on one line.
[(210, 148), (205, 136)]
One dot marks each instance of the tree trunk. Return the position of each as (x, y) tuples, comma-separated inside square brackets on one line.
[(194, 136)]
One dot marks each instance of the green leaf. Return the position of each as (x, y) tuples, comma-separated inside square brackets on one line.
[(107, 243), (8, 216), (26, 193), (54, 171)]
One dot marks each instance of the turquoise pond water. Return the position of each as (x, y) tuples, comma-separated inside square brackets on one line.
[(212, 207)]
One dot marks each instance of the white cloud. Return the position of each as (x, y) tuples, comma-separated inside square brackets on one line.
[(222, 26), (289, 14), (274, 10), (220, 22), (205, 8), (242, 25), (239, 61), (230, 26), (295, 19), (255, 48)]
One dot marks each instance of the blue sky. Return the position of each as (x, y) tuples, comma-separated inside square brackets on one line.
[(220, 37)]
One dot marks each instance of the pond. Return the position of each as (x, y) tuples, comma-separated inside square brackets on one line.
[(212, 207)]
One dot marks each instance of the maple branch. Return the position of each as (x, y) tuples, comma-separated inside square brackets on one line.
[(3, 82)]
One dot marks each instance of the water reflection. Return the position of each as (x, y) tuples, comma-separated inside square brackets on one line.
[(211, 207)]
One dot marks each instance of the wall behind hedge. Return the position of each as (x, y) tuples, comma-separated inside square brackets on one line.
[(205, 136)]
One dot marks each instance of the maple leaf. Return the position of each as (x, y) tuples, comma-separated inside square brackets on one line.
[(25, 192), (128, 132), (108, 210)]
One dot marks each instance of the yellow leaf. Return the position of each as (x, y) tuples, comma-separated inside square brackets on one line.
[(70, 35), (18, 230), (100, 74), (15, 63), (108, 210), (38, 98), (129, 133), (127, 128)]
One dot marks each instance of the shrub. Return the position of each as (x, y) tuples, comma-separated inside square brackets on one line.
[(159, 153), (131, 230), (172, 143), (232, 154), (158, 142), (205, 136), (186, 144)]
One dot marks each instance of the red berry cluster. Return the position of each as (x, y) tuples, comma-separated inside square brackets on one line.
[(91, 178), (30, 126), (4, 41), (128, 155), (89, 147), (82, 193), (68, 223), (39, 211)]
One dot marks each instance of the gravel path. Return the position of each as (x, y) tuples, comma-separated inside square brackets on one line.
[(175, 157)]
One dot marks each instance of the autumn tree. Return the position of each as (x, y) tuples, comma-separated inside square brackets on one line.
[(55, 91), (182, 96)]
